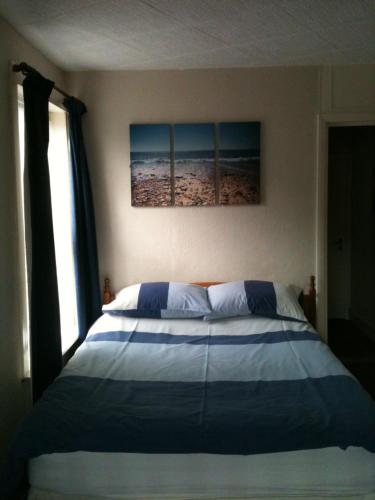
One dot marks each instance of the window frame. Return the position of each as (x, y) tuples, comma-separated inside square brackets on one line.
[(23, 247)]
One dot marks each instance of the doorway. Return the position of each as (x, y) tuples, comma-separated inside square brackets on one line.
[(351, 248)]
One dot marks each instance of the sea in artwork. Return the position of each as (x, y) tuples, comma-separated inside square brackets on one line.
[(194, 173), (239, 172), (151, 178)]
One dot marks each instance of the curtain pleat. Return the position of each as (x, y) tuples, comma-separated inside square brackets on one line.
[(84, 232), (45, 341)]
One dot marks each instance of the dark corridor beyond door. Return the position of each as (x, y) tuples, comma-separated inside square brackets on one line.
[(351, 249)]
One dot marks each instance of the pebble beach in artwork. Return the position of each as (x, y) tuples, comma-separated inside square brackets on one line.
[(194, 183), (151, 184), (238, 189), (239, 182)]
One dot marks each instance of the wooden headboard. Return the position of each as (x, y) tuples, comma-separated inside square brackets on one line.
[(108, 296), (307, 300)]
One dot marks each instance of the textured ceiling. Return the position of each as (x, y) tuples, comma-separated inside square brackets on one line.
[(166, 34)]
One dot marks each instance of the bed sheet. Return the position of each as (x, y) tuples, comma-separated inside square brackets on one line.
[(187, 395), (306, 473)]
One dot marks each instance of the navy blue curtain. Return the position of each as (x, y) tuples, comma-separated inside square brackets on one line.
[(84, 233), (45, 342)]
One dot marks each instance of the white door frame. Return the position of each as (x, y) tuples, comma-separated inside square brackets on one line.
[(324, 121)]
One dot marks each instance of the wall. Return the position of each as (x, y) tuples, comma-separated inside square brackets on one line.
[(348, 89), (274, 240), (14, 396)]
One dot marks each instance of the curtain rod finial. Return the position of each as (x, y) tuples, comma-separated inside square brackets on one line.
[(24, 68), (27, 70), (16, 67)]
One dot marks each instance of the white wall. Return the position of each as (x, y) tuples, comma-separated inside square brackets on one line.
[(14, 396), (348, 89), (274, 240)]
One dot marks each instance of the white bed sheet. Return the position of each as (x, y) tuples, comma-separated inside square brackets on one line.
[(309, 474), (305, 473)]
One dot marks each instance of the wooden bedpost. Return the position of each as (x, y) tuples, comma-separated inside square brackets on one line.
[(309, 301), (108, 296)]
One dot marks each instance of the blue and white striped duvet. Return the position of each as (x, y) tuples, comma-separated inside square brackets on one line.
[(241, 386)]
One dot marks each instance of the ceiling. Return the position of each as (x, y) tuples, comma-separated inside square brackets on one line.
[(181, 34)]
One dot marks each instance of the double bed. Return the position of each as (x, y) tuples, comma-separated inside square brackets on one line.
[(241, 407)]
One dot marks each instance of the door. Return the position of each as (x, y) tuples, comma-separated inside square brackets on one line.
[(340, 160), (351, 225)]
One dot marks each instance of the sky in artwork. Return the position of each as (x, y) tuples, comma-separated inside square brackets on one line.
[(245, 135), (194, 137), (147, 138)]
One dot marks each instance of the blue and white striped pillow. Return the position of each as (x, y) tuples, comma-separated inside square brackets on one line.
[(160, 300), (261, 298)]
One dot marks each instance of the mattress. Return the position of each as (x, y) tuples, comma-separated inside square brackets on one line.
[(238, 408)]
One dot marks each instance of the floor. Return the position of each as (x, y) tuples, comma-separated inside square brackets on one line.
[(355, 350)]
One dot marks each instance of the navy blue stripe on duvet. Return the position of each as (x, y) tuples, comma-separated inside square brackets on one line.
[(91, 414), (167, 338)]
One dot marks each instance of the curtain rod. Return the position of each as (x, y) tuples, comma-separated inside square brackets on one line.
[(25, 69)]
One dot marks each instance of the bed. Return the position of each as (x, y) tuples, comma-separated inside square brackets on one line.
[(241, 407)]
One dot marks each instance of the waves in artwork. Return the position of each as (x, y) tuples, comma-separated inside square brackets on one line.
[(194, 170), (239, 163), (150, 165)]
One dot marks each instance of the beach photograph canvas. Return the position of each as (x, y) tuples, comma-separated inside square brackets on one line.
[(194, 164), (239, 163), (150, 163)]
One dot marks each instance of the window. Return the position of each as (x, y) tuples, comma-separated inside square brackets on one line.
[(22, 235), (61, 198)]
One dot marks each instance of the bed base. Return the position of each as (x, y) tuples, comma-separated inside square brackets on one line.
[(37, 494)]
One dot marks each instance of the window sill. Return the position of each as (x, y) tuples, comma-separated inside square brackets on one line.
[(69, 352)]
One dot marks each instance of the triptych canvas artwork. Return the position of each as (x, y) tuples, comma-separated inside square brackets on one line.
[(195, 164)]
